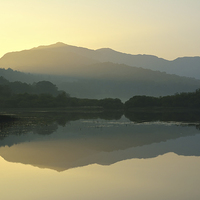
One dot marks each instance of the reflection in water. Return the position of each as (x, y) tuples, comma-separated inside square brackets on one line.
[(52, 156), (192, 116), (41, 141), (46, 122), (164, 177)]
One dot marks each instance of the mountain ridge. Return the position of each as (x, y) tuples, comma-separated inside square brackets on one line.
[(182, 66), (102, 73)]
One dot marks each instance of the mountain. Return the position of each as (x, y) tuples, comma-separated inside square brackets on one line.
[(120, 81), (51, 60), (86, 73), (104, 80), (14, 75), (59, 57), (43, 58), (185, 66)]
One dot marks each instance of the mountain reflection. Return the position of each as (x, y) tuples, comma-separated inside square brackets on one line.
[(61, 141)]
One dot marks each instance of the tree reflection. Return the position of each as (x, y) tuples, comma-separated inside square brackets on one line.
[(46, 123), (149, 116), (79, 139)]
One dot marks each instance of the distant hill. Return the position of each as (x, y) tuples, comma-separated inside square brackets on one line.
[(185, 66), (59, 57), (14, 75), (104, 80), (121, 81), (86, 73), (52, 60)]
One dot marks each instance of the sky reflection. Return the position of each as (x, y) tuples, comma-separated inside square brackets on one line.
[(95, 159), (165, 177)]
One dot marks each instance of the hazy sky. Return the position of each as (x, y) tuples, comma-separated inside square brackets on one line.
[(166, 28)]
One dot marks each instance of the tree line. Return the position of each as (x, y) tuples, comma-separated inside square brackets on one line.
[(45, 94), (178, 100), (18, 87)]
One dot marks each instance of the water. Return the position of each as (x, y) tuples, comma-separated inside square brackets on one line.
[(88, 156)]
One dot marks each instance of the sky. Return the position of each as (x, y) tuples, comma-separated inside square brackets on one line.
[(165, 28)]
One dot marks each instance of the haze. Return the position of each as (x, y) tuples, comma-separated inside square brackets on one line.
[(167, 29)]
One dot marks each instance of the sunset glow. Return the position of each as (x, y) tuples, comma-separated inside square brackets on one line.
[(167, 29)]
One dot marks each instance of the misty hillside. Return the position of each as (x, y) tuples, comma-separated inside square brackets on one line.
[(52, 60), (104, 80), (186, 66), (121, 81), (60, 58), (83, 73), (14, 75)]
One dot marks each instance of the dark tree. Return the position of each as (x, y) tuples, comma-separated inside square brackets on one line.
[(44, 87)]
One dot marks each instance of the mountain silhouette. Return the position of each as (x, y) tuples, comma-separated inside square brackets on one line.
[(102, 73), (57, 57)]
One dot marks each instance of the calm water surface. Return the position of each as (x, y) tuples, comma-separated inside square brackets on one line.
[(44, 157)]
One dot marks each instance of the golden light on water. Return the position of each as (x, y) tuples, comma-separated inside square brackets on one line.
[(166, 176)]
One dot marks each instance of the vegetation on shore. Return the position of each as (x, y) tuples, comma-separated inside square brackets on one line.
[(44, 94), (185, 100)]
